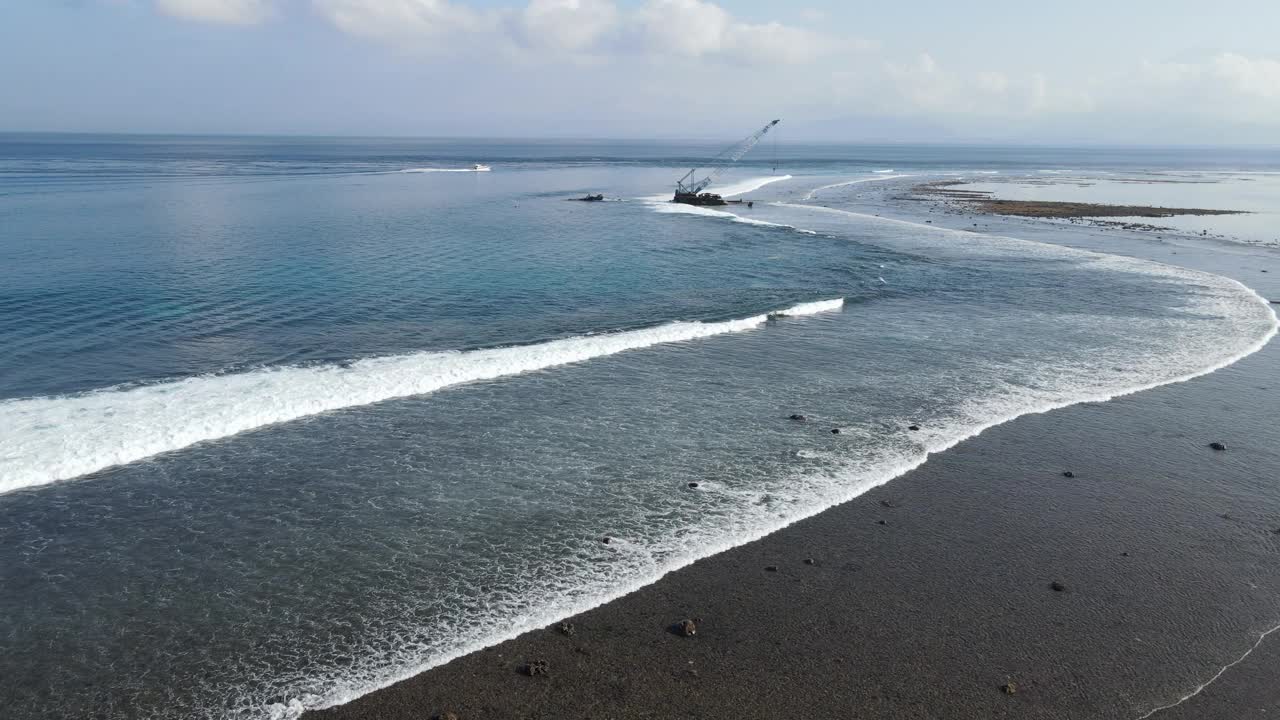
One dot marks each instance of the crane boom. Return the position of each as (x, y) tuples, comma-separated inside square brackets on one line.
[(690, 187)]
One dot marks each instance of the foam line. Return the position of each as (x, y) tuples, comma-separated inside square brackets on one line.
[(850, 485), (1216, 675), (746, 186), (882, 175), (55, 438), (436, 170)]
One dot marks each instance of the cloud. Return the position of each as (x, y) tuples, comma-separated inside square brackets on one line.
[(567, 25), (673, 29), (697, 29), (634, 60), (406, 21), (1226, 86), (234, 12)]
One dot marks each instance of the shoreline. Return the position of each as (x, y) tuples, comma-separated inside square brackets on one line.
[(984, 202), (621, 660)]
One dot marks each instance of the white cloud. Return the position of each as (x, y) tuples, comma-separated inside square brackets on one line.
[(1225, 86), (629, 51), (682, 27), (679, 29), (433, 21), (567, 25), (698, 29), (236, 12)]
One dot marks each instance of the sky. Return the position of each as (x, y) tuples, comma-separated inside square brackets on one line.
[(1089, 71)]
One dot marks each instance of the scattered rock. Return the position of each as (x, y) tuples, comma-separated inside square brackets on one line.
[(566, 628), (534, 668), (835, 431), (1068, 474), (1218, 446), (1009, 688), (687, 628), (913, 427), (771, 568), (693, 485), (1057, 586), (798, 418), (811, 561)]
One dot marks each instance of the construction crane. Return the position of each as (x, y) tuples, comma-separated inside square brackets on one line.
[(689, 189)]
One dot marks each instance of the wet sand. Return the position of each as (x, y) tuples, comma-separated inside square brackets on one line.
[(930, 595)]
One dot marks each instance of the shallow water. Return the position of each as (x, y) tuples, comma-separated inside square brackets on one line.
[(275, 437), (1255, 195)]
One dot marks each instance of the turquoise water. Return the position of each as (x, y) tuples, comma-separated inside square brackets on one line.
[(281, 423)]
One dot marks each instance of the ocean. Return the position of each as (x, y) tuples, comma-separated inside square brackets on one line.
[(283, 421)]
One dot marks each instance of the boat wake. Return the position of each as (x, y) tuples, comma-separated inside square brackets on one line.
[(57, 438)]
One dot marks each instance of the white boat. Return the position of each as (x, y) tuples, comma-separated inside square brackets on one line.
[(481, 168)]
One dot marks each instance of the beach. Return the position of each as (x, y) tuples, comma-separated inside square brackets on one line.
[(310, 435), (985, 583)]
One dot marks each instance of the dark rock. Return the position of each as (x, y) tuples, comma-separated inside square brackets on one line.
[(835, 431), (1068, 474), (566, 628), (913, 427), (798, 418), (1057, 586), (771, 568), (687, 628), (811, 561), (1008, 688), (534, 668), (1218, 446), (693, 485)]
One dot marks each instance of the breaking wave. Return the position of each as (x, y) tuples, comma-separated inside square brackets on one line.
[(57, 438), (439, 170), (746, 186)]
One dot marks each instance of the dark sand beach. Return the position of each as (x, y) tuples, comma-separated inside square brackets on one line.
[(934, 596)]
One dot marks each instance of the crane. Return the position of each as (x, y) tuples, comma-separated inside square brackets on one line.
[(689, 189)]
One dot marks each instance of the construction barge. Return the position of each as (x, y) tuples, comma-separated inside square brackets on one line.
[(692, 191)]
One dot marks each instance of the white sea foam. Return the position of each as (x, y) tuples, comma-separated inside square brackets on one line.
[(883, 172), (805, 495), (440, 170), (808, 493), (810, 308), (857, 181), (56, 438), (746, 186)]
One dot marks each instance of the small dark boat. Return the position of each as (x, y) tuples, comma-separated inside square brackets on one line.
[(590, 198)]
